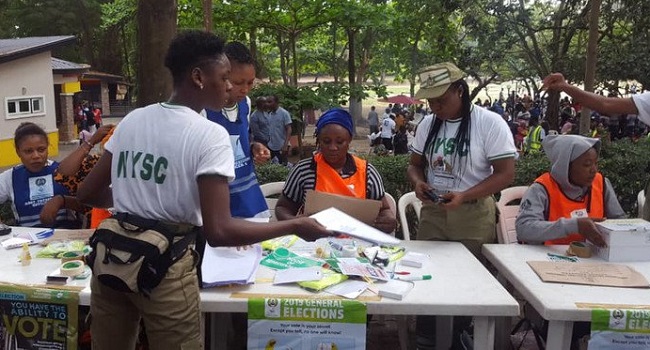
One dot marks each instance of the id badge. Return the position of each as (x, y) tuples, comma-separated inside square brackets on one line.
[(41, 187), (579, 213), (442, 180)]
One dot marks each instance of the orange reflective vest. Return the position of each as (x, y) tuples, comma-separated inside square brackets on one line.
[(560, 206), (328, 179)]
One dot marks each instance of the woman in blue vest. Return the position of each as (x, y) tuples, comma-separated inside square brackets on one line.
[(246, 198), (36, 199)]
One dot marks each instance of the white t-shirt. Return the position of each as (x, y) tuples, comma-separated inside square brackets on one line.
[(159, 151), (387, 127), (490, 140), (642, 102)]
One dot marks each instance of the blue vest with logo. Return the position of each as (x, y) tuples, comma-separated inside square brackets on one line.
[(246, 198), (32, 191)]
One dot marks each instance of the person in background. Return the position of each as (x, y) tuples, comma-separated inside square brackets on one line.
[(334, 170), (373, 121), (36, 199), (638, 104), (464, 154), (97, 117), (259, 123), (562, 205), (386, 132), (246, 198), (279, 130), (400, 141), (179, 186), (533, 141)]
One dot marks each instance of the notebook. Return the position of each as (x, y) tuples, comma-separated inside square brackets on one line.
[(227, 265)]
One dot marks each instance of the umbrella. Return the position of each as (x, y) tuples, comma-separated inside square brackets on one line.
[(402, 99)]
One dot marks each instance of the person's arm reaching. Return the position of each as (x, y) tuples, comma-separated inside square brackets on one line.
[(220, 229), (601, 104), (72, 163), (95, 191)]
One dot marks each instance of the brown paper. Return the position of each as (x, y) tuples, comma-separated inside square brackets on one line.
[(364, 210), (598, 274), (69, 235)]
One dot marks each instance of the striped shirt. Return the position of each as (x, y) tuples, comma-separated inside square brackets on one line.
[(303, 177)]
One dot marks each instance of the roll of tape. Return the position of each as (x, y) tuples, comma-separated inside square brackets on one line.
[(349, 251), (72, 268), (70, 256), (579, 249)]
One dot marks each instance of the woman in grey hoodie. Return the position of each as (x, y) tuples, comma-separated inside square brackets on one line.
[(562, 205)]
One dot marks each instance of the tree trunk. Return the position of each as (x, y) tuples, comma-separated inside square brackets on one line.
[(207, 15), (283, 60), (552, 109), (590, 69), (294, 56), (252, 35), (355, 104), (156, 28)]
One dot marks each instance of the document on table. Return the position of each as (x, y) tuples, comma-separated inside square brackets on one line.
[(298, 274), (597, 274), (227, 265), (350, 289), (338, 221)]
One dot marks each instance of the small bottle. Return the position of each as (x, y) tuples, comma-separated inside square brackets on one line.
[(25, 256)]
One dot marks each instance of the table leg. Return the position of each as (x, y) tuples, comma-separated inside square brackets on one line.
[(444, 331), (219, 324), (484, 333), (559, 335), (502, 328)]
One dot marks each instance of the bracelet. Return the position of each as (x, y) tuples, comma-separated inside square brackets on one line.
[(87, 144)]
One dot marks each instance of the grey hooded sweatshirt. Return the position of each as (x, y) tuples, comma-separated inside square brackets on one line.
[(532, 224)]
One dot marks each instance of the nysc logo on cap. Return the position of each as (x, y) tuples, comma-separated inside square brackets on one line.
[(435, 80)]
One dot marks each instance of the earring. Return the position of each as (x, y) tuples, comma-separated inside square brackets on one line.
[(201, 86)]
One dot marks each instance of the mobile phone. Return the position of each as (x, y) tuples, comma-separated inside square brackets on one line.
[(435, 197), (4, 229)]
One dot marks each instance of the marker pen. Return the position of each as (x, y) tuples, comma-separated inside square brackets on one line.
[(413, 278)]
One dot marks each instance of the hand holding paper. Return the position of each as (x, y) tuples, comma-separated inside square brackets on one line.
[(336, 220)]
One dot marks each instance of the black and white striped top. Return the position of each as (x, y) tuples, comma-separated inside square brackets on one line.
[(303, 177)]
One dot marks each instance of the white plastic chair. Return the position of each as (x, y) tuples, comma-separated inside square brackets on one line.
[(640, 200), (272, 189), (506, 232), (404, 201)]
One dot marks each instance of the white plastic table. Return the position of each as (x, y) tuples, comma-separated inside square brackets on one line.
[(11, 270), (556, 302), (460, 286)]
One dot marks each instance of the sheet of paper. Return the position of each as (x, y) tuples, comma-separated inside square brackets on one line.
[(348, 289), (599, 274), (298, 274), (338, 221), (227, 265)]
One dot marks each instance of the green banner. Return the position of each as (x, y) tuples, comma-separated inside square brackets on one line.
[(620, 329), (38, 318), (279, 323)]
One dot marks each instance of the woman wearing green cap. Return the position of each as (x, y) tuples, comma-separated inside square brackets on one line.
[(461, 156)]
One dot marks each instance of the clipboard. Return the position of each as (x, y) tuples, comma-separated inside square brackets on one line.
[(364, 210)]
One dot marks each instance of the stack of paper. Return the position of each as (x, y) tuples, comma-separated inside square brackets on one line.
[(228, 265), (27, 235)]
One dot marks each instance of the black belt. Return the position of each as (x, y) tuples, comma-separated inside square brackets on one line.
[(186, 233), (177, 229)]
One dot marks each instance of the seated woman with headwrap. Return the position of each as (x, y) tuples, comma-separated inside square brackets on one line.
[(333, 170)]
